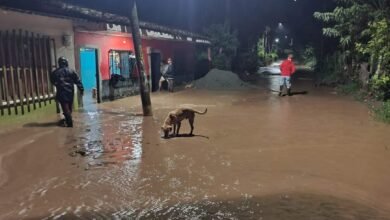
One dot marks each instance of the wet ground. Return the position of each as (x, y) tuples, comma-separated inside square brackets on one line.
[(254, 156)]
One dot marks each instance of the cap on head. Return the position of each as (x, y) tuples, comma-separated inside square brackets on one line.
[(63, 62)]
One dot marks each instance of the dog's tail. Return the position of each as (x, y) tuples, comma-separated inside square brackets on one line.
[(201, 113)]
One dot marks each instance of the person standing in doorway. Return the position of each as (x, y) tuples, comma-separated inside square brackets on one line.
[(163, 70), (64, 79), (167, 74), (287, 69), (170, 75)]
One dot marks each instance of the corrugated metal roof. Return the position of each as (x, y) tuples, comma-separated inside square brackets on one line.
[(118, 7), (101, 11)]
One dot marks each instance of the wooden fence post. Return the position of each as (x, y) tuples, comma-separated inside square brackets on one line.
[(36, 79), (16, 50), (3, 94), (31, 69), (24, 68), (55, 66), (4, 41), (42, 73), (11, 69), (48, 67)]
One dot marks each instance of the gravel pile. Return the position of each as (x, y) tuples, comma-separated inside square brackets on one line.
[(221, 80)]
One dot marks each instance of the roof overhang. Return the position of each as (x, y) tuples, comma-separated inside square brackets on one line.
[(85, 11)]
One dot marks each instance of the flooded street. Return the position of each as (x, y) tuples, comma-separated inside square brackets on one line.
[(254, 156)]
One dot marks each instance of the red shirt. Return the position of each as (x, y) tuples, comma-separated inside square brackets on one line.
[(287, 68)]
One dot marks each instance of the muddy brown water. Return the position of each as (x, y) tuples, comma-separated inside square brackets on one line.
[(254, 156)]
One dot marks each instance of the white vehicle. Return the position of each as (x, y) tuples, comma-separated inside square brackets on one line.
[(273, 69)]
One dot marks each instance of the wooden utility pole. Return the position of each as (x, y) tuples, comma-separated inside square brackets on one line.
[(143, 80), (266, 40)]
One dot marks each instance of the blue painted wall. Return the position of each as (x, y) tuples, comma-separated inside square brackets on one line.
[(88, 68)]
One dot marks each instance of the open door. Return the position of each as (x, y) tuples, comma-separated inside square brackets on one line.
[(155, 70), (89, 76)]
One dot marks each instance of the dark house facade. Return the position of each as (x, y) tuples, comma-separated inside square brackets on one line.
[(110, 52), (34, 34)]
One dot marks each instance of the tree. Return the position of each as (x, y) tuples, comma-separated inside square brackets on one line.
[(378, 45), (378, 49), (224, 44), (265, 56), (351, 18), (362, 29)]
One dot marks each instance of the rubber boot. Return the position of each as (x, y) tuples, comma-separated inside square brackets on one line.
[(280, 90), (170, 85), (68, 120), (289, 92), (61, 123)]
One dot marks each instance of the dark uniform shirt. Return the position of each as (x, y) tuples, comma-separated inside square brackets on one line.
[(170, 74), (63, 79)]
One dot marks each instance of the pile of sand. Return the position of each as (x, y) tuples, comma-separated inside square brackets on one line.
[(221, 80)]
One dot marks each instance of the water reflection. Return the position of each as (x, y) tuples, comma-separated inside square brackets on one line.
[(278, 206), (111, 138), (145, 177), (134, 127), (273, 82), (91, 139)]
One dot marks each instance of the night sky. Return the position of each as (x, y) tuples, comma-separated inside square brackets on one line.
[(249, 17)]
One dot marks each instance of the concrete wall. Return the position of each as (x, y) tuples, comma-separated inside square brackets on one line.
[(104, 42), (54, 27)]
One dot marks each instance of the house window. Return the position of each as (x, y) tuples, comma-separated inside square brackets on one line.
[(121, 63)]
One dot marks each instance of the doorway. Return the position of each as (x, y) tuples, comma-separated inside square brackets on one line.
[(155, 65), (180, 63), (89, 76)]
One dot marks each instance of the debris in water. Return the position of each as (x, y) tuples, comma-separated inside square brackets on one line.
[(82, 152), (78, 150)]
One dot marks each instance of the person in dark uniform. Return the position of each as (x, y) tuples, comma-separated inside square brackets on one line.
[(167, 74), (163, 77), (170, 75), (64, 79)]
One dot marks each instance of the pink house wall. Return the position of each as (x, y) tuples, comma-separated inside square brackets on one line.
[(106, 42)]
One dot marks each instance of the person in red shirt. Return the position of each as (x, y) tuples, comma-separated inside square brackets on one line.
[(287, 68)]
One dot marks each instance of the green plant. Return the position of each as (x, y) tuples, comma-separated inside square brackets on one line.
[(202, 55), (350, 88), (380, 86), (261, 51), (329, 71), (246, 61), (222, 61), (350, 18), (309, 57), (383, 112), (224, 44), (363, 31), (265, 57), (378, 49)]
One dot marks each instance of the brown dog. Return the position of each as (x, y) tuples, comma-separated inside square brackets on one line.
[(175, 117)]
